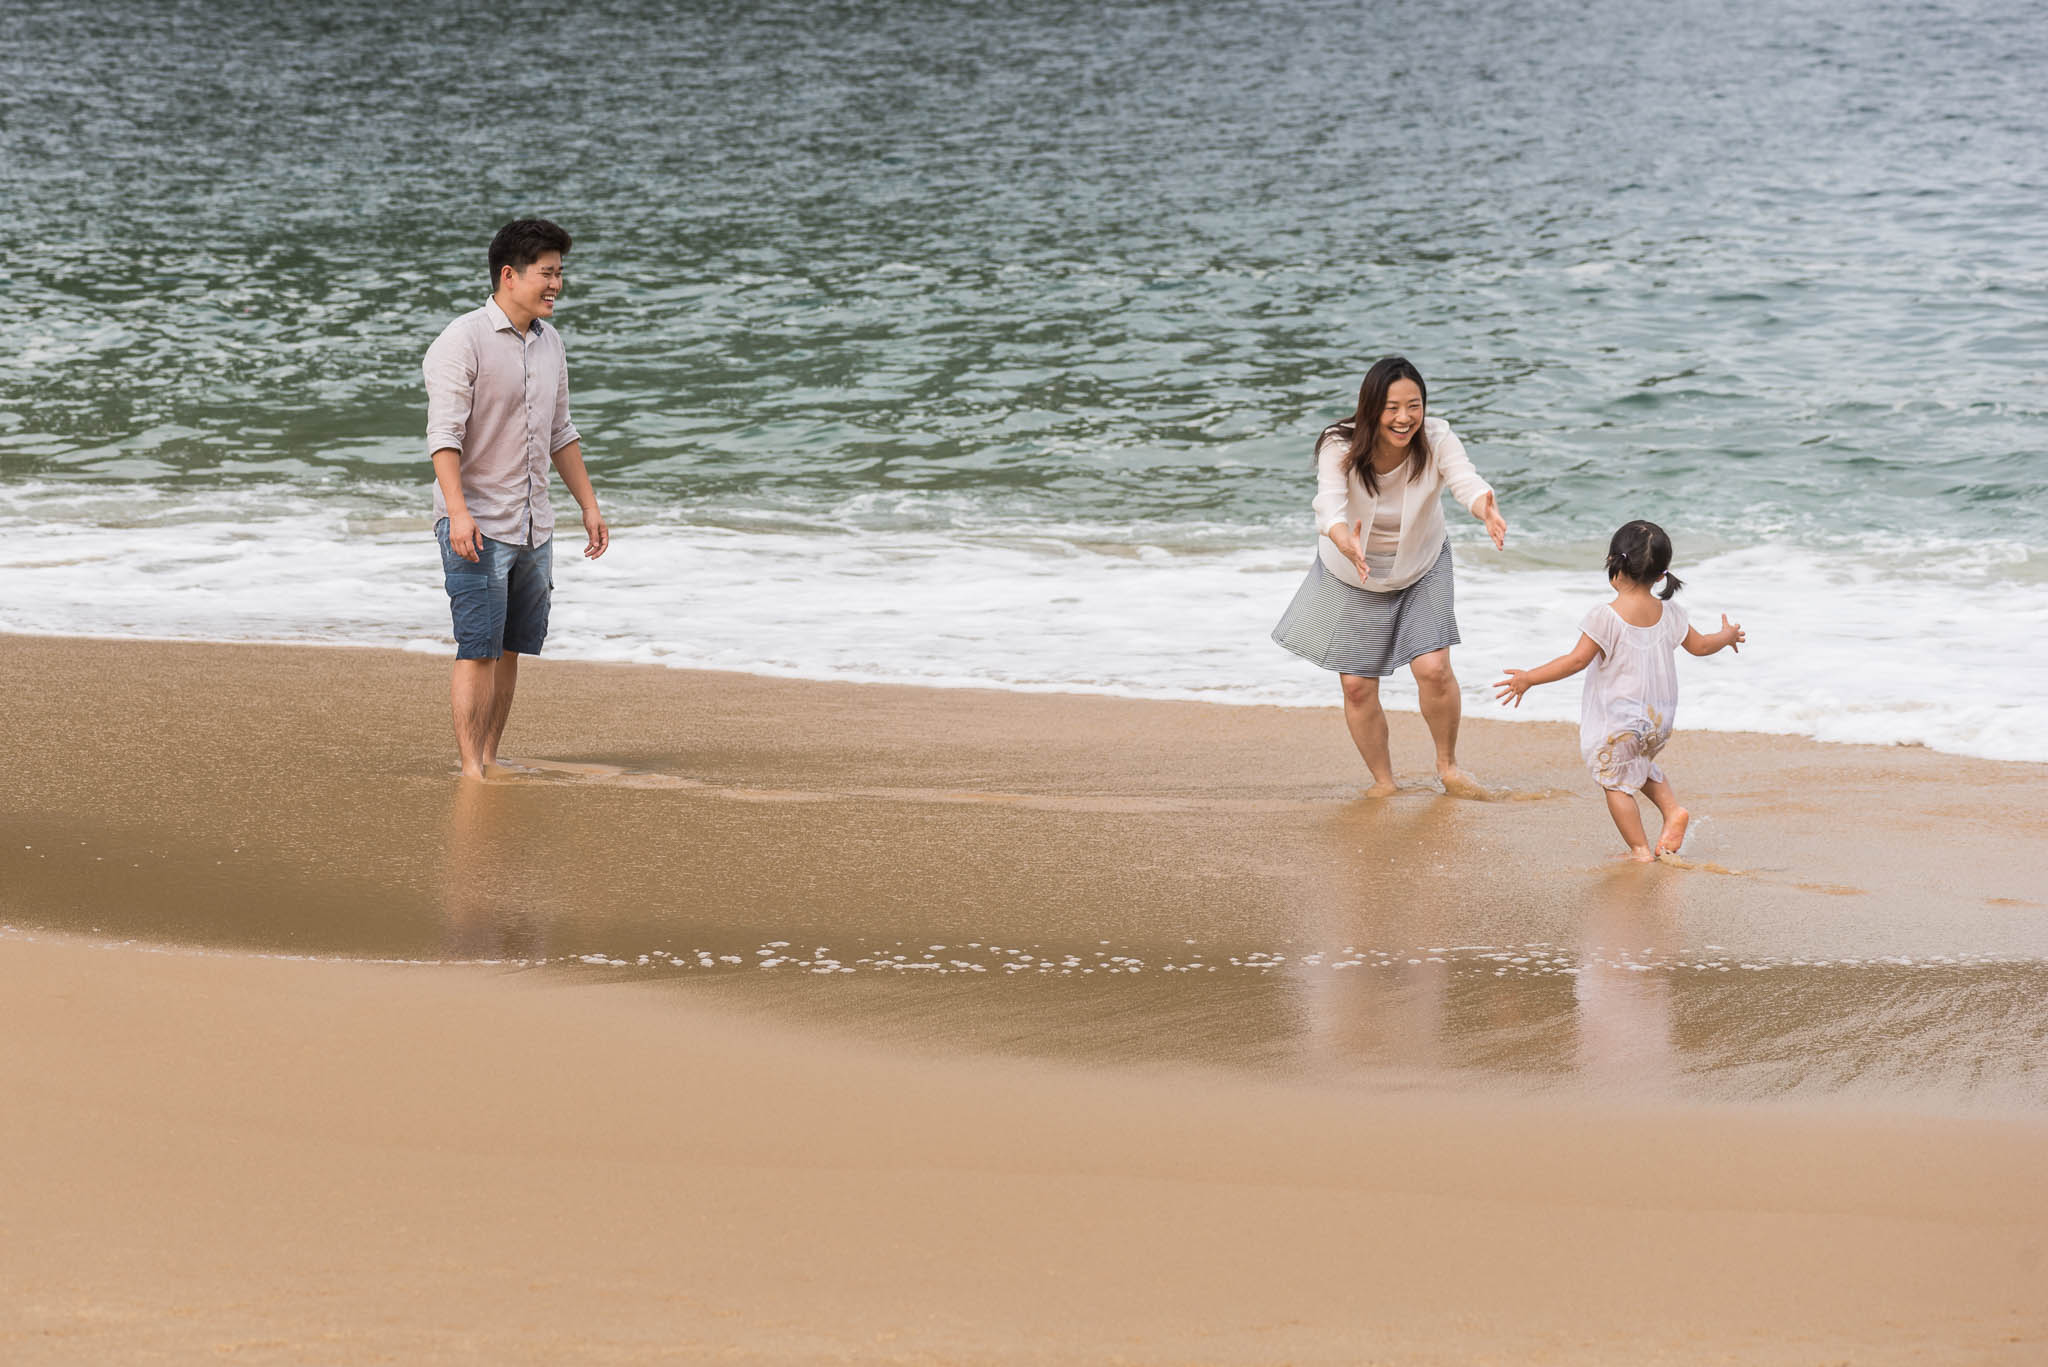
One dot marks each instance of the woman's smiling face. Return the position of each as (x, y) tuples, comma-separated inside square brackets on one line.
[(1401, 419)]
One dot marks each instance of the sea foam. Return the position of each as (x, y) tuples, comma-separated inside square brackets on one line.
[(1936, 645)]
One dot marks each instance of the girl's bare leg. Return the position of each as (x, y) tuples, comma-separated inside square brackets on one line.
[(1628, 819), (1675, 816), (1368, 725)]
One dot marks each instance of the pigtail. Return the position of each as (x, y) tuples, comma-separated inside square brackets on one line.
[(1641, 553)]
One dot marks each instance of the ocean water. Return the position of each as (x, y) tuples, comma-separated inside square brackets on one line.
[(985, 345)]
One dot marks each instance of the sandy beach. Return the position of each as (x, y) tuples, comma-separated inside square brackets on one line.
[(764, 1020)]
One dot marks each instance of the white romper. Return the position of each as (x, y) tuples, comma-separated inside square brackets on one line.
[(1631, 696)]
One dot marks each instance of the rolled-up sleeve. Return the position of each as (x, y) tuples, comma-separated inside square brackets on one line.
[(450, 373), (565, 430), (1466, 485), (1333, 486)]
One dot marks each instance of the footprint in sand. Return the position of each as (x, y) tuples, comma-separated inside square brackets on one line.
[(1671, 859), (1468, 789), (562, 768)]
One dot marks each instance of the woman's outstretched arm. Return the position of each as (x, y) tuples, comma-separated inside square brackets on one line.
[(1467, 486), (1520, 681)]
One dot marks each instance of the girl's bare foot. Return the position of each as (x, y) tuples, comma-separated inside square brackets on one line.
[(1641, 854), (1674, 831), (1383, 787)]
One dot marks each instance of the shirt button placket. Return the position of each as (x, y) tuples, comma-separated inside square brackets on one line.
[(526, 387)]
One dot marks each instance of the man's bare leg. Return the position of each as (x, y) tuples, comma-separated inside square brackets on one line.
[(1436, 688), (1628, 819), (469, 693), (1368, 726), (505, 683), (1676, 818)]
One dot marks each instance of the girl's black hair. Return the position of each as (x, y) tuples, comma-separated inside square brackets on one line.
[(1641, 554)]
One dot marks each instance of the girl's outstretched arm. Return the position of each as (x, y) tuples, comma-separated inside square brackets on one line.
[(1729, 637), (1520, 681)]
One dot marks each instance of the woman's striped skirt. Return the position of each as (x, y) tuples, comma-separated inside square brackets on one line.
[(1360, 631)]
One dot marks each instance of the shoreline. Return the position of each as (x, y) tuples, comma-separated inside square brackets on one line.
[(1398, 697)]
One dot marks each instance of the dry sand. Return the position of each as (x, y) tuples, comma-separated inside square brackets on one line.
[(222, 1155)]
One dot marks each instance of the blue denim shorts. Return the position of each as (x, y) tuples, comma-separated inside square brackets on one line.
[(499, 601)]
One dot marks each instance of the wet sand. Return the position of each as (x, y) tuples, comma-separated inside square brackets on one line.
[(1172, 1090)]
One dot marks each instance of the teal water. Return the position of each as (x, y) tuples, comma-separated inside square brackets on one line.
[(1077, 279)]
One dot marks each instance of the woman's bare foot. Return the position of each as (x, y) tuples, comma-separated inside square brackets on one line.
[(1674, 831), (1458, 783)]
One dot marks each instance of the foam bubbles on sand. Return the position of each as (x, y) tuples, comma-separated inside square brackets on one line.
[(1532, 960)]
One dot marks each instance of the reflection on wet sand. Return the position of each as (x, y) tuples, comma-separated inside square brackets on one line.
[(495, 890), (1624, 1009), (1389, 1017), (1616, 1023)]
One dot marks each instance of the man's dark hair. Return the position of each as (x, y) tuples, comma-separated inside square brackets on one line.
[(521, 242)]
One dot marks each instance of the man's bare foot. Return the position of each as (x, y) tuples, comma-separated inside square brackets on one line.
[(1674, 831), (1458, 783), (1383, 787)]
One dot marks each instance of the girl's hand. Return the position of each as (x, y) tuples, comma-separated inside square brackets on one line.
[(1512, 687), (1733, 631), (1496, 525)]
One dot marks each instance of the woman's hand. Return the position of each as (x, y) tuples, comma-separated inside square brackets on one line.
[(1511, 689), (1488, 512), (1350, 539)]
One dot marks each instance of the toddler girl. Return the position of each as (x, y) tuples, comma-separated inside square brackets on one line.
[(1631, 694)]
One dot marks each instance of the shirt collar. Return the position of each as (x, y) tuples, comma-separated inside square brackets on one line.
[(504, 324)]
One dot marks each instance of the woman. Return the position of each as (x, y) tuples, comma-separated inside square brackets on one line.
[(1379, 594)]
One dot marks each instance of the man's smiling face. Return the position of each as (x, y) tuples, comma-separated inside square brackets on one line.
[(534, 290)]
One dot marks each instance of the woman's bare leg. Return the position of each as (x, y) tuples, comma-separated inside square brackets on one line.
[(1676, 818), (1368, 725), (1628, 819), (1437, 689)]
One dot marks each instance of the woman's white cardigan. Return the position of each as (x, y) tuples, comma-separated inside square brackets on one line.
[(1422, 510)]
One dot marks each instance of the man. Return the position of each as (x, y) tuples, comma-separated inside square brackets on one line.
[(497, 417)]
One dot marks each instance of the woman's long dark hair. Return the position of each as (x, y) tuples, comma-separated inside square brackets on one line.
[(1364, 426), (1641, 554)]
